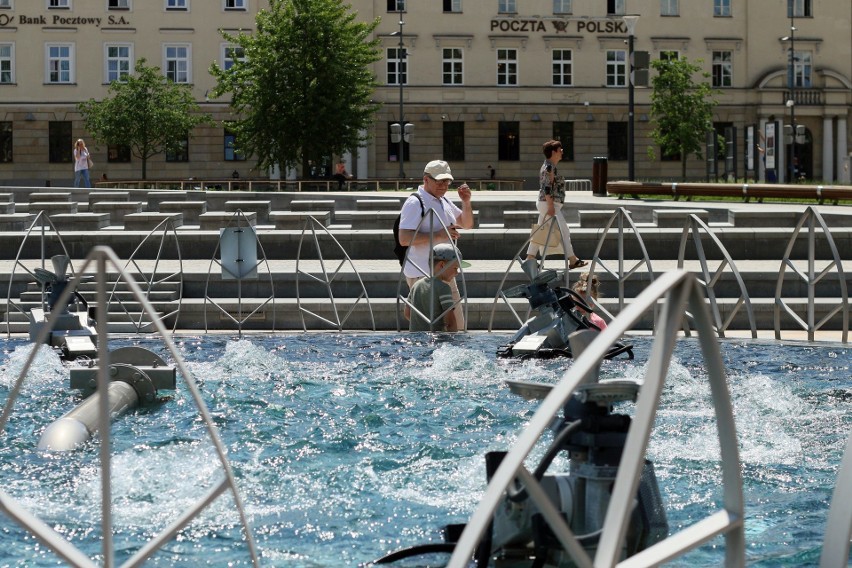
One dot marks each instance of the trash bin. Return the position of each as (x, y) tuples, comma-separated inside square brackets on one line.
[(599, 174)]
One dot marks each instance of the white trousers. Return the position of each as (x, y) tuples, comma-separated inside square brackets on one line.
[(560, 221)]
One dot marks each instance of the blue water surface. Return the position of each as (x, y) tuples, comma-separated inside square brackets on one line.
[(349, 446)]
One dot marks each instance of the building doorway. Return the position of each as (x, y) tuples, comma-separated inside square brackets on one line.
[(800, 166)]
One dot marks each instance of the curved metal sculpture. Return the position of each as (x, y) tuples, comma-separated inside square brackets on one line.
[(327, 279), (238, 244), (812, 218), (680, 290), (708, 279), (42, 221), (152, 282), (102, 259), (548, 232), (426, 271), (623, 221)]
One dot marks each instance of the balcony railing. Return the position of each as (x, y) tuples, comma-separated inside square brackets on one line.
[(803, 97)]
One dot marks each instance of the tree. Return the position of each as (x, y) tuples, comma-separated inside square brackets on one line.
[(146, 112), (302, 86), (681, 108)]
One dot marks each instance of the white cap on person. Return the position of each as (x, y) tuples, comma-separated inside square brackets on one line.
[(447, 252), (438, 169)]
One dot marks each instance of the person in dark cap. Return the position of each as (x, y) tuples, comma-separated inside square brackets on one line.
[(430, 305)]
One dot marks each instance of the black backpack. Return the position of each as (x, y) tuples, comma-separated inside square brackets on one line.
[(398, 249)]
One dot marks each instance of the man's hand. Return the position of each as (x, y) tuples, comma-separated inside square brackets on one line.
[(464, 192)]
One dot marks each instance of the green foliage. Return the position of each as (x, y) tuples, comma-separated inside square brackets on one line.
[(303, 90), (681, 108), (146, 112)]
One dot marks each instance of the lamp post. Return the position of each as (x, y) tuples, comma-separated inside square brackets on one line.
[(630, 22), (400, 54), (791, 102)]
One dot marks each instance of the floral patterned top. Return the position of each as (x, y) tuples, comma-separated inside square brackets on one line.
[(555, 190)]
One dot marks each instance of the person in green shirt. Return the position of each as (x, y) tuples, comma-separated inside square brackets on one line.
[(431, 298)]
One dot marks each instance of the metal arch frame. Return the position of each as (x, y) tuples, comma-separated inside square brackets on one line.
[(680, 289), (239, 217), (694, 226), (811, 216), (41, 216), (102, 258), (838, 526), (312, 223), (621, 275), (166, 226), (549, 225), (400, 299)]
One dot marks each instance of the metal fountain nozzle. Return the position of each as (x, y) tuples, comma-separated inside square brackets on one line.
[(60, 265)]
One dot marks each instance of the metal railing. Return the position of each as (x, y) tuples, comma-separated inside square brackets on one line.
[(680, 290), (708, 279), (812, 218)]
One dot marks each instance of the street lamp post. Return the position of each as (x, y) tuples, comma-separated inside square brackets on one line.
[(791, 101), (400, 55), (630, 21)]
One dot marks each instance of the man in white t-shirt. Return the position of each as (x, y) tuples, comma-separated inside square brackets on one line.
[(438, 228)]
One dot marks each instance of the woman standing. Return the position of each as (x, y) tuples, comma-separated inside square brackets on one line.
[(81, 164), (551, 197)]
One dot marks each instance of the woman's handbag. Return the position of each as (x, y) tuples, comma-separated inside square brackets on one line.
[(90, 162), (548, 236)]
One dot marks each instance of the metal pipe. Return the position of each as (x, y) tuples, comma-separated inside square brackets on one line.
[(77, 426)]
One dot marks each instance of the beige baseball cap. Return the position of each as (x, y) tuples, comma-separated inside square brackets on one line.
[(438, 169)]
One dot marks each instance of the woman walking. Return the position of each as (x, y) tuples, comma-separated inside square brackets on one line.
[(82, 163)]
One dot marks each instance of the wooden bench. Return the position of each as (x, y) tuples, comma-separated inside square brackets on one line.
[(215, 220), (191, 210), (147, 221), (80, 221), (295, 220), (117, 209), (744, 191), (262, 208), (669, 218)]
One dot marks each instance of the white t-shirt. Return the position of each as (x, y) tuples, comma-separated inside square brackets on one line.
[(409, 219)]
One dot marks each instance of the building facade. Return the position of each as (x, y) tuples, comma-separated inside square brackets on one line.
[(486, 82), (483, 82)]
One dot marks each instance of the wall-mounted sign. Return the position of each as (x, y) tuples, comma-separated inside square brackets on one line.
[(61, 20), (564, 26)]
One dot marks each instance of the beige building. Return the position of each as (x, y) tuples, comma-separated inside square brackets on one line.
[(484, 82)]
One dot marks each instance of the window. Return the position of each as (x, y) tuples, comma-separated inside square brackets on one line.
[(5, 142), (180, 153), (562, 67), (507, 7), (235, 5), (232, 152), (723, 70), (564, 132), (509, 142), (454, 141), (615, 8), (118, 154), (118, 4), (176, 63), (669, 55), (397, 66), (507, 66), (562, 7), (799, 9), (396, 5), (59, 146), (177, 4), (669, 8), (452, 6), (230, 54), (5, 4), (616, 68), (393, 147), (7, 63), (119, 62), (616, 140), (453, 66), (59, 4), (802, 68), (721, 7), (60, 68)]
